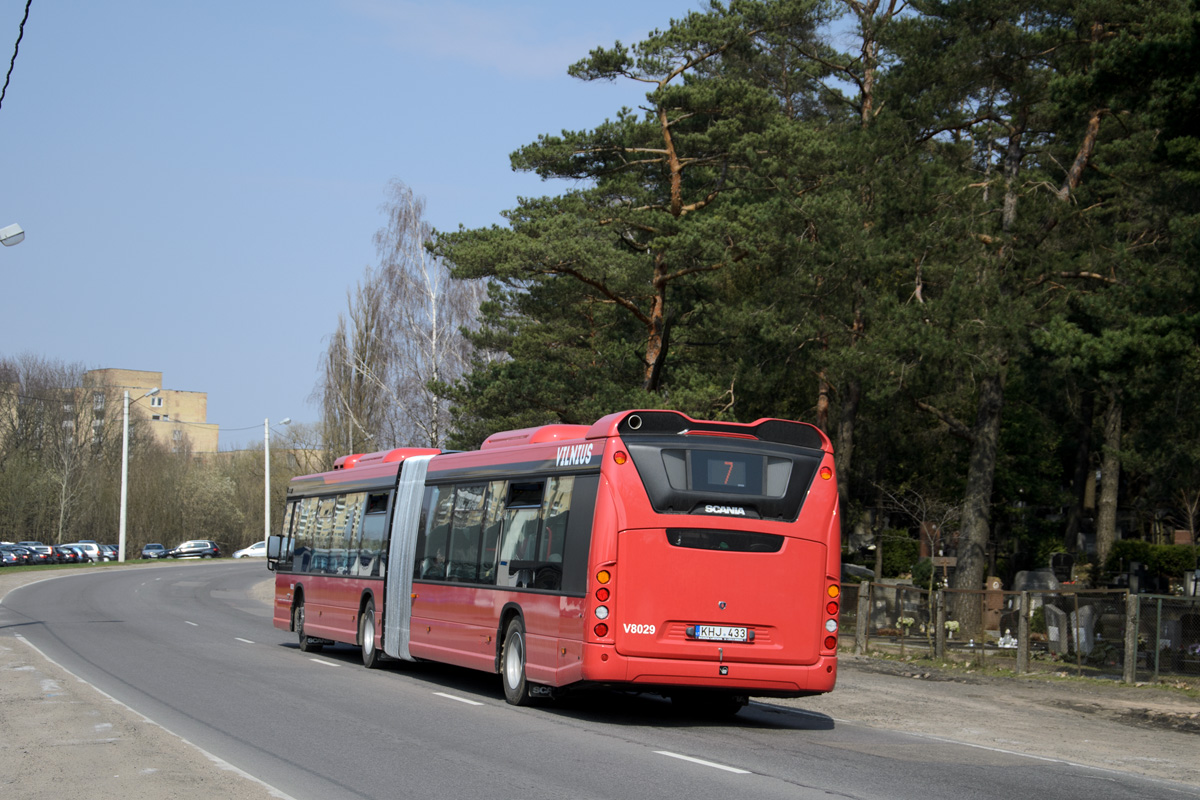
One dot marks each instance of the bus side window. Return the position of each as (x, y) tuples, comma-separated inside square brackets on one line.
[(374, 528), (547, 573), (493, 519), (348, 563), (323, 535), (579, 534), (431, 549), (522, 522), (302, 550), (285, 551), (428, 503), (463, 552)]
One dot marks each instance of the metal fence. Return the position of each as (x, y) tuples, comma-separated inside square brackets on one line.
[(1087, 631), (1168, 636)]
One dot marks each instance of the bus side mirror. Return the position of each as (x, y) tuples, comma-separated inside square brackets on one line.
[(274, 547)]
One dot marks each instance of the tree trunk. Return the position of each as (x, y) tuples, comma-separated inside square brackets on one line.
[(656, 333), (981, 473), (1083, 463), (844, 448), (1110, 475), (823, 402)]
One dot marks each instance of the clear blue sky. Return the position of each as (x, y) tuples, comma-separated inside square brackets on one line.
[(200, 182)]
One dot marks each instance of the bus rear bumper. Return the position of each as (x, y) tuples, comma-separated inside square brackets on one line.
[(604, 665)]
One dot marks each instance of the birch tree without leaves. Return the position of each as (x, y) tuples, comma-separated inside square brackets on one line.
[(399, 342)]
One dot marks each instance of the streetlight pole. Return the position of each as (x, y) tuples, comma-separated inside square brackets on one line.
[(267, 474), (125, 473)]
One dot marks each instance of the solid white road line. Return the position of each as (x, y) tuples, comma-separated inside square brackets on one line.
[(459, 699), (702, 762)]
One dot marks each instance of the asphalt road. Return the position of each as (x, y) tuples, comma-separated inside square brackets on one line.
[(190, 648)]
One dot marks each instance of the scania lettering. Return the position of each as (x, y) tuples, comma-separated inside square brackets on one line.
[(731, 510)]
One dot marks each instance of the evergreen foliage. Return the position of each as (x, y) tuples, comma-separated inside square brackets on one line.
[(961, 237)]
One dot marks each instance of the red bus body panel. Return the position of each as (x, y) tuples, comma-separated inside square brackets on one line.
[(460, 625), (331, 604)]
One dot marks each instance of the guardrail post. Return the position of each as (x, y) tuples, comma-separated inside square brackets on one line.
[(1131, 638), (1023, 634), (864, 619)]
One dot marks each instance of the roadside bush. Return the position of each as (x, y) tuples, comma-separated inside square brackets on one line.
[(1163, 560)]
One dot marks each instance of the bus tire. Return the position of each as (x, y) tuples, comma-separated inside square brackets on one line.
[(512, 664), (366, 636), (306, 644)]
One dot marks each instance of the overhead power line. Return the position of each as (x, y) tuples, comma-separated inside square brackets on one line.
[(16, 49)]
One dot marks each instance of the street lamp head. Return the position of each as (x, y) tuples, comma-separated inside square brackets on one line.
[(153, 391), (11, 235), (285, 421)]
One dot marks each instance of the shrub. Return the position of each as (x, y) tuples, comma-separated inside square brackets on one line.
[(900, 553), (1165, 560)]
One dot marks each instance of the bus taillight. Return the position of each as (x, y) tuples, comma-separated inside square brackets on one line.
[(603, 593), (833, 591)]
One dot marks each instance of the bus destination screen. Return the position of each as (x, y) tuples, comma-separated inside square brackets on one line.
[(735, 473)]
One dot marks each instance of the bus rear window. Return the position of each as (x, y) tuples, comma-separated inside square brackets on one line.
[(754, 479), (730, 541)]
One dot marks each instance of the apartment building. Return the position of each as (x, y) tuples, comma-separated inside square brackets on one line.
[(175, 417)]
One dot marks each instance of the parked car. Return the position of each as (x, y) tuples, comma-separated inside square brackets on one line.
[(67, 555), (110, 552), (154, 550), (8, 558), (94, 553), (42, 553), (82, 554), (39, 553), (24, 556), (195, 548), (256, 550)]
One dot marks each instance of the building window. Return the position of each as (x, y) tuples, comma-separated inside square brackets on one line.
[(177, 434), (156, 402), (98, 400)]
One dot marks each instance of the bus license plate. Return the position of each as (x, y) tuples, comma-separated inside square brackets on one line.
[(720, 633)]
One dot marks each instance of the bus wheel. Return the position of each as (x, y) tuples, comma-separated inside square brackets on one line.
[(512, 664), (366, 636), (306, 645)]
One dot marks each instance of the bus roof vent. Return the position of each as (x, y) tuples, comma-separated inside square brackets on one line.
[(347, 462), (392, 456), (539, 435)]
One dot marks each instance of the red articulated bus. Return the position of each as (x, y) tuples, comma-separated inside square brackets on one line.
[(649, 551)]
